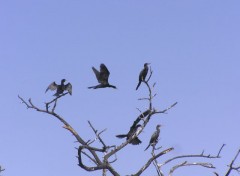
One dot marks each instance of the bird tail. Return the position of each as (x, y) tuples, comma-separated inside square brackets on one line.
[(92, 87), (135, 141), (56, 94), (121, 136), (147, 147), (138, 85)]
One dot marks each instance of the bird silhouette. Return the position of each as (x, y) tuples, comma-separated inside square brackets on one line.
[(142, 75), (60, 88), (133, 130), (154, 138), (102, 77)]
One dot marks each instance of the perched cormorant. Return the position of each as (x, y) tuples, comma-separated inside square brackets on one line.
[(154, 138), (60, 88), (133, 130), (143, 74)]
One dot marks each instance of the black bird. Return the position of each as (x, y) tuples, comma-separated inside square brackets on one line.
[(60, 88), (133, 130), (154, 139), (143, 74), (102, 77)]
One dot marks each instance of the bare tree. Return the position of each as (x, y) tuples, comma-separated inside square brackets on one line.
[(103, 157)]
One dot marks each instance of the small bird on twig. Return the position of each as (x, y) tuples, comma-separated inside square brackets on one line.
[(142, 75), (102, 77), (133, 130), (154, 138), (60, 88)]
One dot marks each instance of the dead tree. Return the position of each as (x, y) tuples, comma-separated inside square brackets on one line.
[(102, 158)]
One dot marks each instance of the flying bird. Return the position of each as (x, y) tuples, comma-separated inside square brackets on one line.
[(60, 88), (154, 138), (133, 130), (142, 75), (102, 77)]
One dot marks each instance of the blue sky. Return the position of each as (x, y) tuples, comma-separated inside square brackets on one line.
[(193, 48)]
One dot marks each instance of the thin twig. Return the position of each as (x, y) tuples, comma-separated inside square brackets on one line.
[(98, 135), (165, 110), (185, 163), (55, 99), (231, 165), (143, 168)]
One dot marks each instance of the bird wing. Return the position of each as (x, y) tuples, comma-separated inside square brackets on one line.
[(52, 86), (154, 137), (68, 87), (104, 74), (143, 74), (121, 136), (97, 73), (136, 141)]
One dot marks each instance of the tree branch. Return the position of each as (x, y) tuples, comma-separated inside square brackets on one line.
[(195, 156), (185, 163), (55, 100), (231, 165), (67, 126), (145, 166)]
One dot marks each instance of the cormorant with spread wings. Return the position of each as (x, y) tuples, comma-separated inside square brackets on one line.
[(102, 77), (60, 88)]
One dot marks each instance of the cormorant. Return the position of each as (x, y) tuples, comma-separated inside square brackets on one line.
[(133, 130), (102, 77), (154, 138), (60, 88), (143, 74)]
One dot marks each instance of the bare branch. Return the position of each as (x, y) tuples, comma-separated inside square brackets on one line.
[(185, 163), (55, 99), (165, 110), (54, 106), (151, 160), (155, 163), (98, 135), (88, 156), (220, 150), (67, 126), (231, 167), (99, 166), (202, 155)]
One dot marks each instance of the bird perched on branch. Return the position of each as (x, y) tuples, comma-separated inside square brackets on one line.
[(60, 88), (102, 77), (154, 138), (142, 75), (133, 130)]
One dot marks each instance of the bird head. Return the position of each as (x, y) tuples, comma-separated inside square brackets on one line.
[(146, 64), (63, 80), (158, 126)]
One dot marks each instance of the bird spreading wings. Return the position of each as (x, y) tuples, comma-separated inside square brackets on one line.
[(60, 88), (102, 77)]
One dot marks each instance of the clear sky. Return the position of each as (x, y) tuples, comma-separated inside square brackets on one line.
[(193, 48)]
